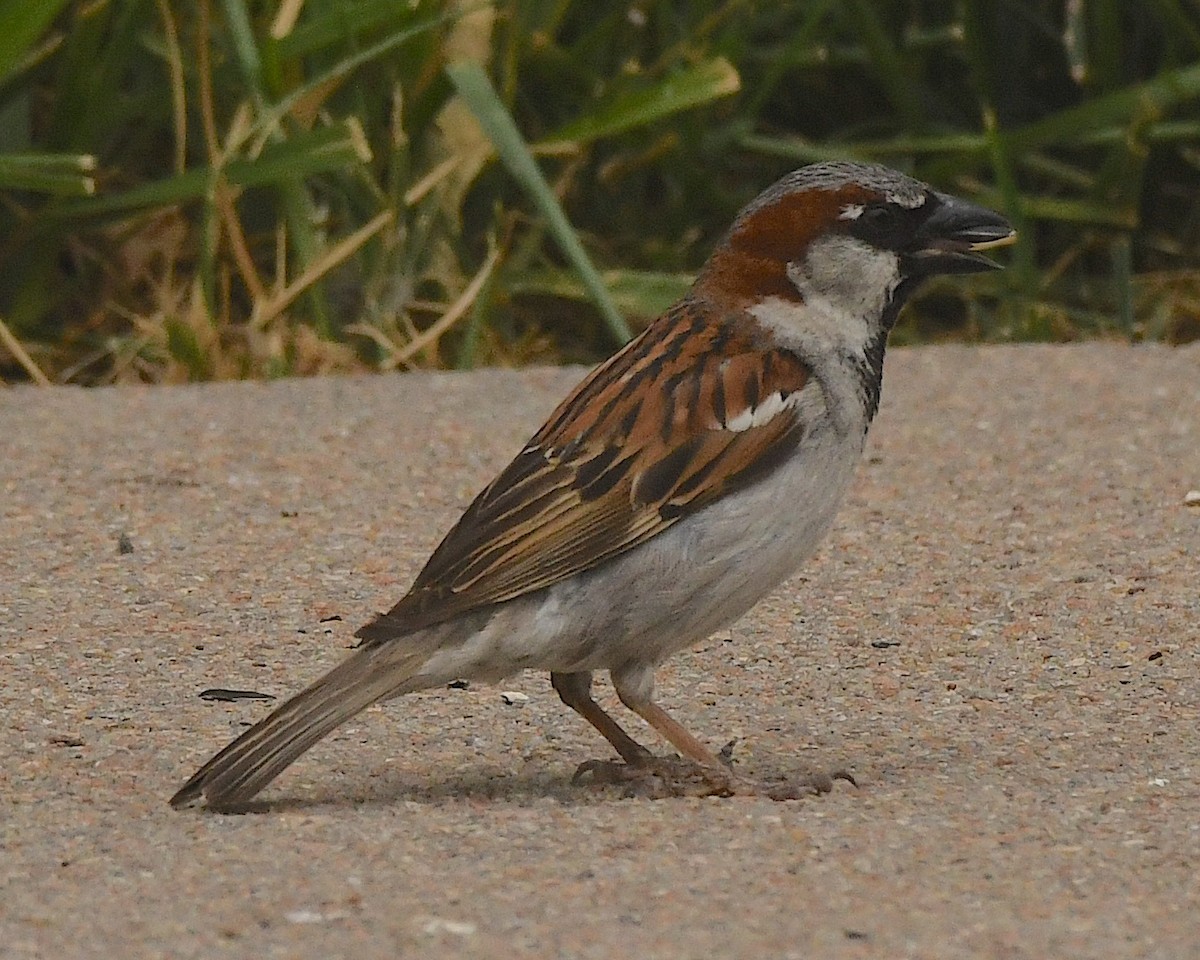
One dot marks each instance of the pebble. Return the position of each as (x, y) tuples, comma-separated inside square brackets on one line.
[(313, 916), (458, 928)]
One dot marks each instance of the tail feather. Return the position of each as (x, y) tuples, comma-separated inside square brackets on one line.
[(237, 773)]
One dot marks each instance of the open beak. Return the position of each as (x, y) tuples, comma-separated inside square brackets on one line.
[(952, 239)]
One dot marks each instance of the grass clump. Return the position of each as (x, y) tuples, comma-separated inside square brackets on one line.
[(234, 188)]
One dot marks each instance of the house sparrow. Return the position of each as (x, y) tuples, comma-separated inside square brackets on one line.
[(681, 481)]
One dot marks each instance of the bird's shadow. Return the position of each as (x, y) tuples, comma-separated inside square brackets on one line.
[(481, 785)]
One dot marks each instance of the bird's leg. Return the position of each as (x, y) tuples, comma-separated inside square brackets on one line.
[(701, 773), (675, 733), (575, 690), (707, 774)]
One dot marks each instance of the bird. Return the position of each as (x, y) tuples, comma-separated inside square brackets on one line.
[(681, 481)]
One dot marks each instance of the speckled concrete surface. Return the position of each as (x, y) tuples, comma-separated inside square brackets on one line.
[(1001, 637)]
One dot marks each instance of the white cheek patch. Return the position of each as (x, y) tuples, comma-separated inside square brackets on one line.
[(766, 411), (852, 278)]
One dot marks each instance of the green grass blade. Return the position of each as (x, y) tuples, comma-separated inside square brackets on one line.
[(465, 360), (244, 44), (24, 23), (184, 346), (1160, 94), (477, 92), (271, 115), (791, 148), (1062, 209), (638, 293), (53, 173), (327, 28), (696, 86), (90, 78), (797, 43), (1023, 267), (1121, 256), (322, 150)]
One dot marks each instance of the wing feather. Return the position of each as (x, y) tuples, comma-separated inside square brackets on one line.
[(664, 428)]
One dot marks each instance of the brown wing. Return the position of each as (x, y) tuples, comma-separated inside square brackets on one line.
[(659, 431)]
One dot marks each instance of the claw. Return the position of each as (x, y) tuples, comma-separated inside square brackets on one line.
[(658, 778), (842, 774), (813, 785), (601, 771)]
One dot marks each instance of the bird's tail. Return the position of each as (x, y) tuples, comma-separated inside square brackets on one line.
[(233, 777)]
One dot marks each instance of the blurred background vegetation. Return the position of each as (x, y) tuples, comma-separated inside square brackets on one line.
[(236, 188)]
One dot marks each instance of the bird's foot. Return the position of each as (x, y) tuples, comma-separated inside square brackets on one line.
[(658, 778)]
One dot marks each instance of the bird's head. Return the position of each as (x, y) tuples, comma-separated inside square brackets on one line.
[(857, 237)]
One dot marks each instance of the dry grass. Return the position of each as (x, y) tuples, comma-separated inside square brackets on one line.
[(214, 191)]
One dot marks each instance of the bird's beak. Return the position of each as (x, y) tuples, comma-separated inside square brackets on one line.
[(952, 239)]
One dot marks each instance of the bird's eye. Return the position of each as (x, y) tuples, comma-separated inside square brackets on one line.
[(882, 225), (879, 216)]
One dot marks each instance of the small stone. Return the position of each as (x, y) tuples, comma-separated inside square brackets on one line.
[(125, 544), (312, 916), (514, 698), (458, 928), (1192, 498)]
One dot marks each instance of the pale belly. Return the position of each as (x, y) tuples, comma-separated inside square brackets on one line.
[(673, 591)]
